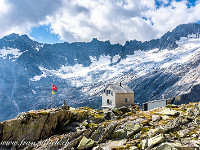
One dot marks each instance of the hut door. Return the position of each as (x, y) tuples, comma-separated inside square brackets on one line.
[(145, 107)]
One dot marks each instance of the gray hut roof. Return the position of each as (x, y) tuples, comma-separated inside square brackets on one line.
[(120, 89)]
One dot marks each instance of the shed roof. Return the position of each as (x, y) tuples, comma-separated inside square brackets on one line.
[(120, 89), (154, 101)]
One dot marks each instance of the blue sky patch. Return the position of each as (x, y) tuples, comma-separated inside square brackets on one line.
[(43, 34)]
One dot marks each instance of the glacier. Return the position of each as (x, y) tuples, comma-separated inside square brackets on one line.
[(141, 62)]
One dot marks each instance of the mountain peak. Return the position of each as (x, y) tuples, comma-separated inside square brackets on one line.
[(12, 36), (168, 40), (95, 40), (187, 26), (186, 29)]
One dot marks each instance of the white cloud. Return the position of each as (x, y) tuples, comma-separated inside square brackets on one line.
[(3, 7), (117, 21), (167, 18), (19, 15), (81, 20), (121, 20)]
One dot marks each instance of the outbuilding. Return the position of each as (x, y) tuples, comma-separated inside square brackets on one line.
[(156, 103)]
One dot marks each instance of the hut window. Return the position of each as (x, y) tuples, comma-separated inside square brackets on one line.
[(108, 92), (111, 92), (108, 101), (126, 99)]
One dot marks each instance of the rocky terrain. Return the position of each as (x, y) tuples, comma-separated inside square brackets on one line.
[(172, 127)]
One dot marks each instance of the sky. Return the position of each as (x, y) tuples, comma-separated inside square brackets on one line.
[(52, 21)]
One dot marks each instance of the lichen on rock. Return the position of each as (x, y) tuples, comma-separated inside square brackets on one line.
[(85, 143)]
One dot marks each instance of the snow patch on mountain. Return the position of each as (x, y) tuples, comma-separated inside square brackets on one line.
[(43, 75), (39, 46), (34, 91), (10, 53), (116, 58)]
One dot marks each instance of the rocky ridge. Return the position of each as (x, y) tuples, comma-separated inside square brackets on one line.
[(170, 127)]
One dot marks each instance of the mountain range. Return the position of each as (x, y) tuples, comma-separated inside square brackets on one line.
[(161, 68)]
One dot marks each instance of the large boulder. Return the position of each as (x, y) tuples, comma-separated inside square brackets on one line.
[(135, 129), (175, 123), (144, 144), (165, 117), (97, 148), (36, 125), (115, 145), (183, 133), (165, 146), (180, 146), (109, 115), (133, 148), (127, 129), (155, 140), (96, 116), (120, 111), (153, 132), (119, 134), (155, 118), (103, 132), (192, 112), (85, 143), (169, 112)]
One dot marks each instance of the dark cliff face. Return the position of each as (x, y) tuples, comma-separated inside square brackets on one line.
[(153, 85), (19, 93), (79, 52), (192, 96)]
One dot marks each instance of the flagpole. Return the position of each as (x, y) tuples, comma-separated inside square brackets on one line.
[(51, 96)]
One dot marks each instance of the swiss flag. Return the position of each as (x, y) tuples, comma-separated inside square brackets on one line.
[(54, 87)]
